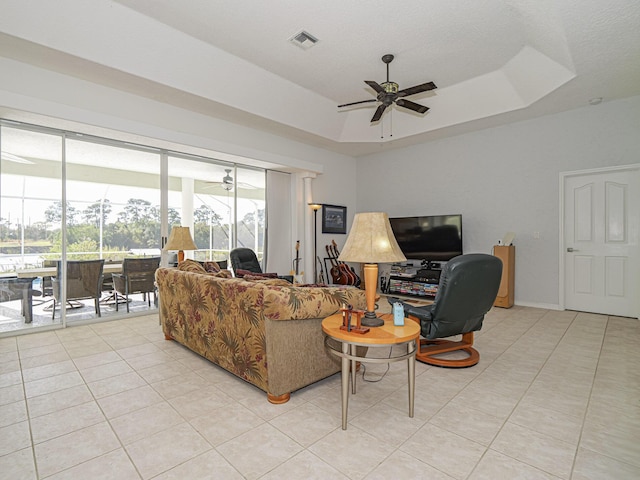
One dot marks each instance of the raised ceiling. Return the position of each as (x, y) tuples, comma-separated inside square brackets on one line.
[(494, 61)]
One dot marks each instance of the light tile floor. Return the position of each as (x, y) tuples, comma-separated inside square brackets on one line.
[(12, 321), (555, 396)]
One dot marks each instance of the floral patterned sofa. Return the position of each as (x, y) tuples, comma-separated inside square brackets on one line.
[(266, 331)]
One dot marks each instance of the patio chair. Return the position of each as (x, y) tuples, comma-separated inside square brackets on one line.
[(138, 276), (46, 289), (84, 280)]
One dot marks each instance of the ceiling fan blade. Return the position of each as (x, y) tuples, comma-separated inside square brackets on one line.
[(375, 86), (405, 92), (378, 114), (355, 103), (402, 102)]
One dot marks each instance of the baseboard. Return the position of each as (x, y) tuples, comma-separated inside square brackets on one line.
[(546, 306)]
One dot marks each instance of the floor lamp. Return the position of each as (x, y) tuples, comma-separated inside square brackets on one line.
[(371, 241), (315, 207)]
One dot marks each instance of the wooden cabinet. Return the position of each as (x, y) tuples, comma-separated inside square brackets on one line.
[(507, 283)]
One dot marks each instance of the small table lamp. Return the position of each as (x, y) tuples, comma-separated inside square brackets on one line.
[(371, 241), (180, 239)]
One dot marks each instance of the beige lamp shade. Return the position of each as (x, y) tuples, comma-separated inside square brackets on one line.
[(180, 239), (371, 240)]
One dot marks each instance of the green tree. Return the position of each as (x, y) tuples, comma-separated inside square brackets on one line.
[(173, 217), (91, 214), (37, 231), (135, 210), (53, 213), (204, 214)]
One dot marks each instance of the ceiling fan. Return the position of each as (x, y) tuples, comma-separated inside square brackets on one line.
[(388, 93), (227, 182)]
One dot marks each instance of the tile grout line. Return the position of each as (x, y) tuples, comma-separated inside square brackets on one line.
[(586, 410), (523, 394), (26, 406), (618, 460)]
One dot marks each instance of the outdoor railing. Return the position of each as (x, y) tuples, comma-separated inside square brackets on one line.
[(9, 263)]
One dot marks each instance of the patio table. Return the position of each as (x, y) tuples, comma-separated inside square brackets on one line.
[(19, 289)]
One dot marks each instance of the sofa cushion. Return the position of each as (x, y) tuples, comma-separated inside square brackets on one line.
[(275, 282), (293, 302), (205, 268), (222, 274)]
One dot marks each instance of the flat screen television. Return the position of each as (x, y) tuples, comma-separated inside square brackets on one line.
[(431, 238)]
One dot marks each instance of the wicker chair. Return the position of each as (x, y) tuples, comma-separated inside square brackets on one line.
[(84, 280), (138, 276)]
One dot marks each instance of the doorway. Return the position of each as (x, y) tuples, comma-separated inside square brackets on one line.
[(600, 226)]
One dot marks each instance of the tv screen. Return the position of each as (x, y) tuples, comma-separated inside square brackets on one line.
[(432, 238)]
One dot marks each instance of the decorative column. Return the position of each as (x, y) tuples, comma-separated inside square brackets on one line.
[(188, 188)]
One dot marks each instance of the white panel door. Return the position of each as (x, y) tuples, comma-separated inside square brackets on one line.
[(601, 229)]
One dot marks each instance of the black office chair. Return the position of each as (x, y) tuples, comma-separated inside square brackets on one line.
[(468, 287), (244, 259)]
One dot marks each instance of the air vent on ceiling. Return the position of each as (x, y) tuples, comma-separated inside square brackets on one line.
[(303, 40)]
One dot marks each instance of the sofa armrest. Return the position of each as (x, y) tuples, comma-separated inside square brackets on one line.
[(218, 318)]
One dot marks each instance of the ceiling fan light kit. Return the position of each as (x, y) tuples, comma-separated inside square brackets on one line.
[(388, 93), (227, 180)]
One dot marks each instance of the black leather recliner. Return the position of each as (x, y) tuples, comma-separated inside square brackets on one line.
[(244, 260), (468, 287)]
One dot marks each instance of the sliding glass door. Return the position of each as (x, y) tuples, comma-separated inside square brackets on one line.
[(223, 205), (30, 222), (113, 213), (67, 197)]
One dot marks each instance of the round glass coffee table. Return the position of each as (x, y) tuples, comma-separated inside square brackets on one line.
[(344, 344)]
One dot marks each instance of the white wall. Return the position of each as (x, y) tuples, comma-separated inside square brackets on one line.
[(46, 93), (505, 179), (500, 179)]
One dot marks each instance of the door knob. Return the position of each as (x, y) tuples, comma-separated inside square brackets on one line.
[(569, 249)]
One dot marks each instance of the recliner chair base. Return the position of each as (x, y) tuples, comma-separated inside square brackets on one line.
[(430, 348)]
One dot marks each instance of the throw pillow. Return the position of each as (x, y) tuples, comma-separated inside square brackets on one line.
[(191, 266), (211, 267), (240, 273), (222, 274)]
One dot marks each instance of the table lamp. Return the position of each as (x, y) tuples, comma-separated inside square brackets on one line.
[(371, 241), (180, 239)]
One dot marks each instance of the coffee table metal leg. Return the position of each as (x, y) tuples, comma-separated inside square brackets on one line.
[(411, 368), (345, 383)]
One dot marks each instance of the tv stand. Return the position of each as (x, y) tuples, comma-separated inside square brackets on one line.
[(423, 283)]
